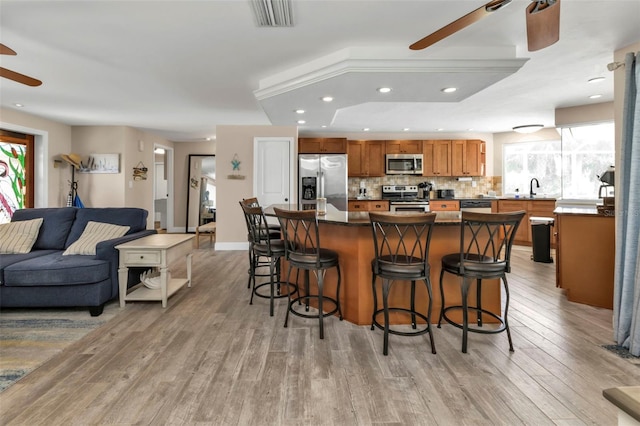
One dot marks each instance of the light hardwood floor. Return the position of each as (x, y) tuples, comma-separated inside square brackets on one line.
[(210, 358)]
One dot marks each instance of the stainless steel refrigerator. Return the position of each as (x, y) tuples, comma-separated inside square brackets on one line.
[(322, 175)]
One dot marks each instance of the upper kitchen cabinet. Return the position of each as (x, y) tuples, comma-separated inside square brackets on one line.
[(322, 145), (468, 158), (404, 147), (366, 158), (437, 158)]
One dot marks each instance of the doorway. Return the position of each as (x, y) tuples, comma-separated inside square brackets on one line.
[(163, 194)]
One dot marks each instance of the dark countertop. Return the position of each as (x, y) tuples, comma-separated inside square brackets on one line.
[(338, 217)]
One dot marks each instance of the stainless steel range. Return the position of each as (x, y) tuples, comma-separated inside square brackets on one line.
[(404, 198)]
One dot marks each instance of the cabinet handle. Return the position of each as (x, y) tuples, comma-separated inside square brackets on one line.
[(141, 257)]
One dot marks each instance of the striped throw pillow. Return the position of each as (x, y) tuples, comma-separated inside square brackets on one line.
[(94, 233), (19, 237)]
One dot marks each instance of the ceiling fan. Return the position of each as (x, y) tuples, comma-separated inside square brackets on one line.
[(16, 76), (543, 23)]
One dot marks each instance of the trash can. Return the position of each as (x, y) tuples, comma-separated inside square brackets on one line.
[(541, 238)]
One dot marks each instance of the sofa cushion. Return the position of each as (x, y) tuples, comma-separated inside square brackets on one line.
[(55, 269), (55, 226), (10, 259), (135, 218), (18, 237), (94, 233)]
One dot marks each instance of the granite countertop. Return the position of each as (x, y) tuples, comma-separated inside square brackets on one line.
[(339, 217), (591, 211)]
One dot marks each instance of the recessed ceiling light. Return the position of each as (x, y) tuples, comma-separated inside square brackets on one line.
[(440, 129), (301, 121), (449, 89), (299, 111), (406, 129), (595, 80), (327, 98), (470, 129), (366, 129), (595, 96), (324, 125), (384, 89), (19, 105), (528, 128)]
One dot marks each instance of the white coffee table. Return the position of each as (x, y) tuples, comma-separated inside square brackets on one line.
[(159, 251)]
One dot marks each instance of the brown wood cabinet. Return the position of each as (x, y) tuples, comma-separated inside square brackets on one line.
[(468, 157), (368, 206), (322, 145), (444, 205), (366, 158), (437, 158), (404, 147), (585, 258), (539, 208)]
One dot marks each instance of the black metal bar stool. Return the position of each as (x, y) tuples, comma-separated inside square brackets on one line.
[(274, 233), (303, 251), (401, 244), (485, 253), (267, 245)]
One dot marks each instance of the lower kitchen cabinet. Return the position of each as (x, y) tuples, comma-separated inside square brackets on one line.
[(534, 208), (444, 205), (585, 258), (368, 206)]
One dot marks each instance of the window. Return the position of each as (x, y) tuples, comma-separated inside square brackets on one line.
[(566, 168), (16, 173)]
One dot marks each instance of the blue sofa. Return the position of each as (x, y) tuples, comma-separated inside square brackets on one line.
[(46, 278)]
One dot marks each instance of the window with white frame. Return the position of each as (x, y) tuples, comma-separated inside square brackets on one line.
[(567, 168)]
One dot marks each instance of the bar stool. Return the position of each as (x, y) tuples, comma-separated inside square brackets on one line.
[(274, 233), (485, 252), (303, 251), (401, 244), (264, 246)]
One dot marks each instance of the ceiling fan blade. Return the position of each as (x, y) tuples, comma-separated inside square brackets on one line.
[(4, 50), (20, 78), (543, 24), (459, 24)]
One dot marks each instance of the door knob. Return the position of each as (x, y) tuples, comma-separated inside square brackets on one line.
[(286, 199)]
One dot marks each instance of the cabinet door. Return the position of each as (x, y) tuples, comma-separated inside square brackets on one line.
[(322, 145), (334, 146), (474, 158), (356, 159), (444, 205), (523, 234), (358, 206), (375, 151), (437, 158), (309, 145), (404, 147), (378, 206), (458, 157)]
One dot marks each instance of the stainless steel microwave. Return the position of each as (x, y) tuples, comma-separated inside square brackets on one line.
[(404, 164)]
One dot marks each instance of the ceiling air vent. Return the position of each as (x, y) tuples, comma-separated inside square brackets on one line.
[(272, 13)]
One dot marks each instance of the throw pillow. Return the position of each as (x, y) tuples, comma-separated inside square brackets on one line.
[(94, 233), (19, 237)]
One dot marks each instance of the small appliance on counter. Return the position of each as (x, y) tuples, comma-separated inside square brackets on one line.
[(606, 190), (445, 194), (424, 189)]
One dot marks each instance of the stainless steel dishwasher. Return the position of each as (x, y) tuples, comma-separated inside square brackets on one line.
[(480, 206)]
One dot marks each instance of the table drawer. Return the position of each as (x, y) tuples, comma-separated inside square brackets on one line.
[(142, 257)]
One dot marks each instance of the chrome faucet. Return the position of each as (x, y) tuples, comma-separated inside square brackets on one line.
[(531, 193)]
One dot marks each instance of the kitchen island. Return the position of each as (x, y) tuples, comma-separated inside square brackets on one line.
[(585, 255), (349, 234)]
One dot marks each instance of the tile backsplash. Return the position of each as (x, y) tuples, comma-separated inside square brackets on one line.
[(483, 184)]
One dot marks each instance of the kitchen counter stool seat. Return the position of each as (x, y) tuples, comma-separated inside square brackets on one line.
[(485, 252), (401, 243), (303, 251)]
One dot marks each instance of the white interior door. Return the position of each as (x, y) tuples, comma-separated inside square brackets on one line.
[(274, 170)]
